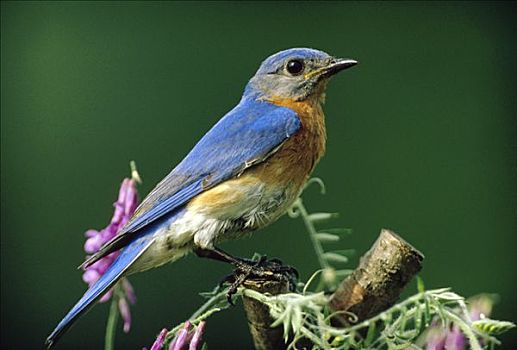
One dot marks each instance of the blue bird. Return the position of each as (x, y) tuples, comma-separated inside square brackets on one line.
[(241, 176)]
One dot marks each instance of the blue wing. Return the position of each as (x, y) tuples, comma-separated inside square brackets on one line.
[(245, 136)]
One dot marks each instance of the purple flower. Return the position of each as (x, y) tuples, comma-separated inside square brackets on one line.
[(196, 338), (158, 343), (455, 340), (186, 338), (124, 208), (435, 337), (451, 338)]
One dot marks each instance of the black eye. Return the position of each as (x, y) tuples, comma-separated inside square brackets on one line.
[(294, 67)]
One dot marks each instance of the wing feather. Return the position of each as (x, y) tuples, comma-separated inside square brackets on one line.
[(246, 136)]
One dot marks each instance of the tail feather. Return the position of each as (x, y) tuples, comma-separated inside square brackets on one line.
[(126, 258), (115, 244)]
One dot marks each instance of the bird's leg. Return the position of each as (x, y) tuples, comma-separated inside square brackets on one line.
[(216, 254), (245, 268), (259, 268), (220, 255)]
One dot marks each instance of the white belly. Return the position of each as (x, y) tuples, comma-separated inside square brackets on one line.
[(246, 209)]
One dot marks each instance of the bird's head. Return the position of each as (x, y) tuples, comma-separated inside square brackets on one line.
[(295, 74)]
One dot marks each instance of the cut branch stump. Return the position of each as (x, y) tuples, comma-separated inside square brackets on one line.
[(373, 287), (259, 320), (377, 282)]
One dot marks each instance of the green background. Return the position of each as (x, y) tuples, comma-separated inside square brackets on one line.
[(421, 139)]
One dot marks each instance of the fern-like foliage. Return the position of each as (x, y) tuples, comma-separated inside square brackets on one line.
[(307, 317), (330, 261), (492, 327)]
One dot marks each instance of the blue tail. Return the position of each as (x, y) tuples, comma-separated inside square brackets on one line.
[(126, 258)]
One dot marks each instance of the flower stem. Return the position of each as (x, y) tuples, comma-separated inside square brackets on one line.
[(210, 303), (211, 306), (134, 172), (111, 325)]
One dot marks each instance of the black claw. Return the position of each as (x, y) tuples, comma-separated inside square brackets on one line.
[(238, 278), (263, 268), (228, 279), (229, 297)]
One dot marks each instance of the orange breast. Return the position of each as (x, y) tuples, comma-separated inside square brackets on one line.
[(296, 158)]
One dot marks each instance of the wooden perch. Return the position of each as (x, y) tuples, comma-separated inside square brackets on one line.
[(259, 320), (374, 286), (377, 282)]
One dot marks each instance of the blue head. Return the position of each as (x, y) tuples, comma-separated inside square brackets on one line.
[(295, 74)]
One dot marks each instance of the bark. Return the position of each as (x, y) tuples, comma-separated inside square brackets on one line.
[(377, 282), (259, 320)]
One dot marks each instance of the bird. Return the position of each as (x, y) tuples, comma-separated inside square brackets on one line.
[(242, 175)]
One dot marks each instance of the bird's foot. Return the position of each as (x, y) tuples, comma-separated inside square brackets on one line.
[(262, 269)]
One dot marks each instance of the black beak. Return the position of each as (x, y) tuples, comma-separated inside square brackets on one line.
[(339, 64)]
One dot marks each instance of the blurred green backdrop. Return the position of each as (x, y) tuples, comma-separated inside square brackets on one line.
[(421, 140)]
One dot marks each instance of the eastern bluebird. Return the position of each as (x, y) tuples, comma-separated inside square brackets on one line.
[(241, 176)]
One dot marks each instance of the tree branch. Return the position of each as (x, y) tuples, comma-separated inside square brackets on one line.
[(373, 287), (377, 282), (259, 320)]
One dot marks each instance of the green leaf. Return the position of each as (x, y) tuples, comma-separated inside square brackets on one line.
[(287, 322), (427, 313), (343, 273), (449, 296), (335, 257), (492, 327), (256, 257), (207, 295), (339, 231), (370, 335), (418, 318), (420, 284), (326, 237), (345, 252), (321, 217), (296, 320)]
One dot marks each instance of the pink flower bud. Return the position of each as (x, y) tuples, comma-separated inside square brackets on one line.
[(158, 343)]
